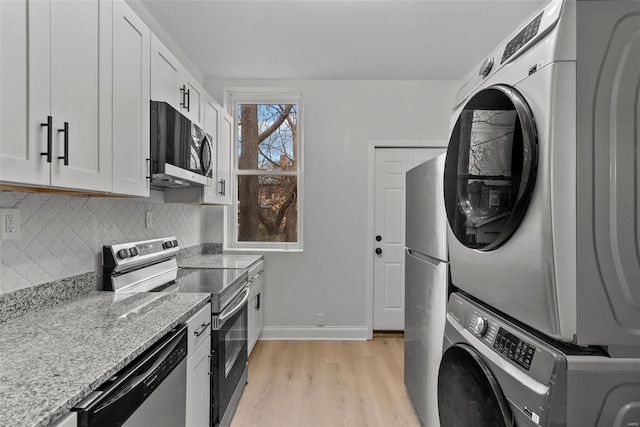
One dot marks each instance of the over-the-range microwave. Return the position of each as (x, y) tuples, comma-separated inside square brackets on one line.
[(181, 152)]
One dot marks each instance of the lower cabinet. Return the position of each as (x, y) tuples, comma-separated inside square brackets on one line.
[(69, 420), (255, 318), (199, 368)]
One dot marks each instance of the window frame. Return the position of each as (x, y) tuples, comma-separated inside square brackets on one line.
[(261, 95)]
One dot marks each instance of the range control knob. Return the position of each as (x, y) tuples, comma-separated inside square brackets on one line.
[(134, 251), (175, 243), (123, 253), (167, 245), (480, 326)]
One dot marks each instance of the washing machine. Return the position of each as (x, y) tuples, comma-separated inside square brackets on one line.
[(494, 372), (542, 176)]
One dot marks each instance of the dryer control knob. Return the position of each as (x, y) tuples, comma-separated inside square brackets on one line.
[(486, 67), (480, 326)]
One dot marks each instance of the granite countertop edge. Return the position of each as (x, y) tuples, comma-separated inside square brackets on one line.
[(220, 261), (81, 388), (87, 389)]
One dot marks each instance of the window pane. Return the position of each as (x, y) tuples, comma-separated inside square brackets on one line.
[(267, 208), (267, 136)]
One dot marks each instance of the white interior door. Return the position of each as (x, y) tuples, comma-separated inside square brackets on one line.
[(391, 165)]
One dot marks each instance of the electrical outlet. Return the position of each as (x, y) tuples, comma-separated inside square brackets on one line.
[(148, 219), (320, 319), (10, 223)]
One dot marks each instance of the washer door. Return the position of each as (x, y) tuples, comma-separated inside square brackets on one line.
[(490, 168), (468, 393)]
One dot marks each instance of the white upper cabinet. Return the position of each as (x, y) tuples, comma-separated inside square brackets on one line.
[(20, 160), (225, 143), (172, 83), (68, 77), (193, 97), (164, 74), (219, 124), (131, 95)]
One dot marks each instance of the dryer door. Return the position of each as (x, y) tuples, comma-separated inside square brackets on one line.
[(490, 168), (468, 393)]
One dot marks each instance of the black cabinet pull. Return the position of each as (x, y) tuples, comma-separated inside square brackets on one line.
[(66, 144), (49, 126), (223, 187), (258, 302), (186, 97), (149, 169)]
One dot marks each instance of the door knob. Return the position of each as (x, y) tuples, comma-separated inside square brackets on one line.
[(378, 238), (378, 251)]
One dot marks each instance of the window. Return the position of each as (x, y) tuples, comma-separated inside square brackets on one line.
[(267, 171)]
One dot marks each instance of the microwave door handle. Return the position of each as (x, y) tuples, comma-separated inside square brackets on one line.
[(230, 311), (210, 167)]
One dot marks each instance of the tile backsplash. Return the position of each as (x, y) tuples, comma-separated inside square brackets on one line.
[(62, 236)]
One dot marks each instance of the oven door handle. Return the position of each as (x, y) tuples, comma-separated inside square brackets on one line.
[(230, 311)]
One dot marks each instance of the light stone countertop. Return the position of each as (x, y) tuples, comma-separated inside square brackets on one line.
[(51, 359), (225, 261)]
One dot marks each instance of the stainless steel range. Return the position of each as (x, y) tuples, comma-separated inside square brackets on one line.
[(151, 266)]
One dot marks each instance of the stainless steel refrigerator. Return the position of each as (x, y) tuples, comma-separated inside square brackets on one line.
[(426, 272)]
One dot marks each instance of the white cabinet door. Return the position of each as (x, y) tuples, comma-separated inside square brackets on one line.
[(211, 126), (199, 386), (165, 70), (219, 124), (69, 420), (80, 93), (251, 321), (131, 95), (210, 117), (225, 144), (24, 92), (193, 93), (56, 70)]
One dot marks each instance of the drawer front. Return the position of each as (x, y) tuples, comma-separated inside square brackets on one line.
[(255, 272), (198, 328)]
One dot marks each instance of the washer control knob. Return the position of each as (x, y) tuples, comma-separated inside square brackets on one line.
[(480, 326)]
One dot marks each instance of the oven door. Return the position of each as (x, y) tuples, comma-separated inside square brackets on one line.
[(229, 356)]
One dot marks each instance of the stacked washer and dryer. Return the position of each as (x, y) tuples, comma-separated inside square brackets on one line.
[(542, 193)]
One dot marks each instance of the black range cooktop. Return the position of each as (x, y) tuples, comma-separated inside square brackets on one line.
[(222, 284)]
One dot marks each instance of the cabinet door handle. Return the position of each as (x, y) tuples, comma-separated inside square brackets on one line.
[(186, 97), (223, 187), (49, 126), (66, 144), (149, 169), (258, 302)]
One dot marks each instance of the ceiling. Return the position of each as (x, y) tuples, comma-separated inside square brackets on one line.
[(339, 40)]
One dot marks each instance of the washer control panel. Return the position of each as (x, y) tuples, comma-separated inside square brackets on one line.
[(513, 348)]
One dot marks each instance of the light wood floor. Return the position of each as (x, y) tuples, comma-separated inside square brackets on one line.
[(326, 383)]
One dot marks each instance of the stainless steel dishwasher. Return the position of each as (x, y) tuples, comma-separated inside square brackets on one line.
[(151, 391)]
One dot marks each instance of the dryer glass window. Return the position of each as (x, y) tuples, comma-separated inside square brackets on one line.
[(490, 168)]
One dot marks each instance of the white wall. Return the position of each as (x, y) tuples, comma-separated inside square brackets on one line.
[(340, 118)]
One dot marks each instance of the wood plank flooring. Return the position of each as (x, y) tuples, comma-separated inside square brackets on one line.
[(326, 383)]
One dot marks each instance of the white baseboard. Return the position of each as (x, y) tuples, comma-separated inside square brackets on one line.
[(341, 333)]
